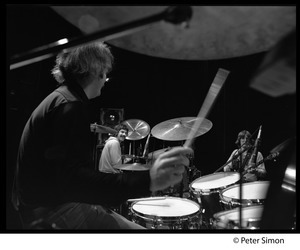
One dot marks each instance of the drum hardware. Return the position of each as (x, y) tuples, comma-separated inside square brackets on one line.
[(242, 150), (271, 156), (146, 147)]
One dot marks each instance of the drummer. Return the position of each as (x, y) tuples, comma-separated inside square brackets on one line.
[(252, 173), (111, 155), (56, 185)]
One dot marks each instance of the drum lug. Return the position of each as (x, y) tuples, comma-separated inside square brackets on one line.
[(155, 223)]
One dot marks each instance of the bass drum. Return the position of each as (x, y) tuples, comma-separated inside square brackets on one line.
[(166, 213), (230, 219)]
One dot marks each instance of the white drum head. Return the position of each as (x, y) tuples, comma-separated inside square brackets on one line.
[(217, 180), (250, 191), (169, 207), (253, 213)]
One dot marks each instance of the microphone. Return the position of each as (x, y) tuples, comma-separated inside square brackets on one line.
[(258, 136), (259, 133), (257, 140)]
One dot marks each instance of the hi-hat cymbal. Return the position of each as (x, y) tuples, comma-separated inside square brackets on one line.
[(134, 167), (101, 129), (214, 32), (138, 129), (178, 129)]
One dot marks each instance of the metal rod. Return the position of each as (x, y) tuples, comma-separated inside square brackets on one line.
[(172, 14)]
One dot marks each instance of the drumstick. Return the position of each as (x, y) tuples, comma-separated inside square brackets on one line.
[(147, 199), (208, 103)]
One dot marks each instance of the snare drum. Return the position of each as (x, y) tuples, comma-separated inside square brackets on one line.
[(230, 219), (206, 190), (166, 213), (253, 193)]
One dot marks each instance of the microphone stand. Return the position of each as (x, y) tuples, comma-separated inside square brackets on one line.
[(241, 170), (233, 158)]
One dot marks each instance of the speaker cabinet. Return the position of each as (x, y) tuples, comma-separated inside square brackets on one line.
[(110, 117)]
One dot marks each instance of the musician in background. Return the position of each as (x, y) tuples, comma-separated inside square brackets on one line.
[(111, 155), (252, 170)]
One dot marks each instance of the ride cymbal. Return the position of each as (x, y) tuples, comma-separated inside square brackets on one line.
[(138, 129), (178, 129), (214, 32)]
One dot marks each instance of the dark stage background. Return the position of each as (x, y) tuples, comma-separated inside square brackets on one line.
[(147, 88)]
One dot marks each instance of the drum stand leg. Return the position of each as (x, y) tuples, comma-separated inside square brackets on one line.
[(181, 188)]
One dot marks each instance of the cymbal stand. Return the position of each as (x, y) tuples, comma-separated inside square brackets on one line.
[(241, 170), (95, 142)]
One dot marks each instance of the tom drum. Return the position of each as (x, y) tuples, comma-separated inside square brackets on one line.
[(253, 193), (166, 213)]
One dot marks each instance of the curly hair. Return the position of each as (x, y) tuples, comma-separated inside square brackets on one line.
[(119, 127), (82, 62)]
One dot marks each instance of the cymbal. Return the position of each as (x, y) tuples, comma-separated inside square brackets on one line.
[(178, 129), (134, 167), (138, 129), (276, 75), (282, 146), (214, 32), (101, 129)]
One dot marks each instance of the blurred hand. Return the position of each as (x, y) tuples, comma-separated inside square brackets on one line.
[(168, 168)]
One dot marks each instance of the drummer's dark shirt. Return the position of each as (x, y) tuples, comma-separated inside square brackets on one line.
[(54, 163)]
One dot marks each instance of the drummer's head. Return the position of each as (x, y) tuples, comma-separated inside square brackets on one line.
[(243, 138), (121, 132), (87, 65)]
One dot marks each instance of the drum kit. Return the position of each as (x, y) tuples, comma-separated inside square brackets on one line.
[(213, 201), (218, 200), (210, 199), (207, 202)]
